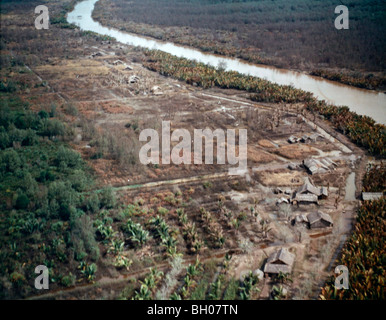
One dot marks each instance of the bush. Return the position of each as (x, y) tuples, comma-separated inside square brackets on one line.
[(92, 203), (68, 281), (10, 161), (71, 109), (107, 198), (67, 158), (43, 114), (22, 201), (83, 238), (52, 128)]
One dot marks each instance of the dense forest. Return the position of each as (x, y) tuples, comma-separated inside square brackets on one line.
[(299, 34)]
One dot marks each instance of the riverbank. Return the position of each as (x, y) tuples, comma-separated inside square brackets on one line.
[(239, 44)]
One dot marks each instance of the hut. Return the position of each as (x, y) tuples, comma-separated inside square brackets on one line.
[(323, 193), (318, 166), (293, 139), (305, 199), (311, 138), (280, 261), (319, 220), (299, 219), (309, 188)]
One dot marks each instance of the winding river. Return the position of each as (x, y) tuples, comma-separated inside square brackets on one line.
[(361, 101)]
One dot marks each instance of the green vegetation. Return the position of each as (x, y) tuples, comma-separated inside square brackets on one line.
[(375, 179), (148, 285), (364, 256), (137, 234), (362, 130), (206, 76), (45, 200), (352, 79), (248, 286), (364, 253)]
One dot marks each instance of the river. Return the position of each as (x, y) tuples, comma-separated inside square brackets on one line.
[(364, 102)]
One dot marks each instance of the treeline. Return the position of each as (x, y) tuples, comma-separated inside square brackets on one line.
[(357, 80), (362, 130), (206, 76), (364, 256), (295, 34), (46, 202)]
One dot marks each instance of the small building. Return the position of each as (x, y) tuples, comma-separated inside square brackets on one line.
[(323, 193), (319, 220), (156, 90), (311, 138), (134, 79), (309, 188), (96, 54), (318, 165), (368, 196), (117, 62), (292, 166), (293, 139), (305, 199), (298, 219), (279, 261), (282, 200)]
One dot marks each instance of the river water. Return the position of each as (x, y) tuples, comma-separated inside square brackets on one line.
[(361, 101)]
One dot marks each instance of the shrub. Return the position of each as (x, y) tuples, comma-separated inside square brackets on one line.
[(71, 109), (107, 198), (52, 128), (92, 203), (67, 158), (22, 201), (69, 280), (162, 211), (10, 161), (83, 238)]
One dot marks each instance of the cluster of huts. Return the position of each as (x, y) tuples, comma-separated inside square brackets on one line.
[(306, 194), (313, 220)]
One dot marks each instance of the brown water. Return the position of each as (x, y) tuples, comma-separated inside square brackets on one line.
[(364, 102)]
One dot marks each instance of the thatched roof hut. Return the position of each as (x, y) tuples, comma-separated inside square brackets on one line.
[(319, 220), (279, 261)]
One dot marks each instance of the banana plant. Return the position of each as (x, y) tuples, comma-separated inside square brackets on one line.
[(89, 271), (116, 246), (139, 236), (175, 296), (143, 294)]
